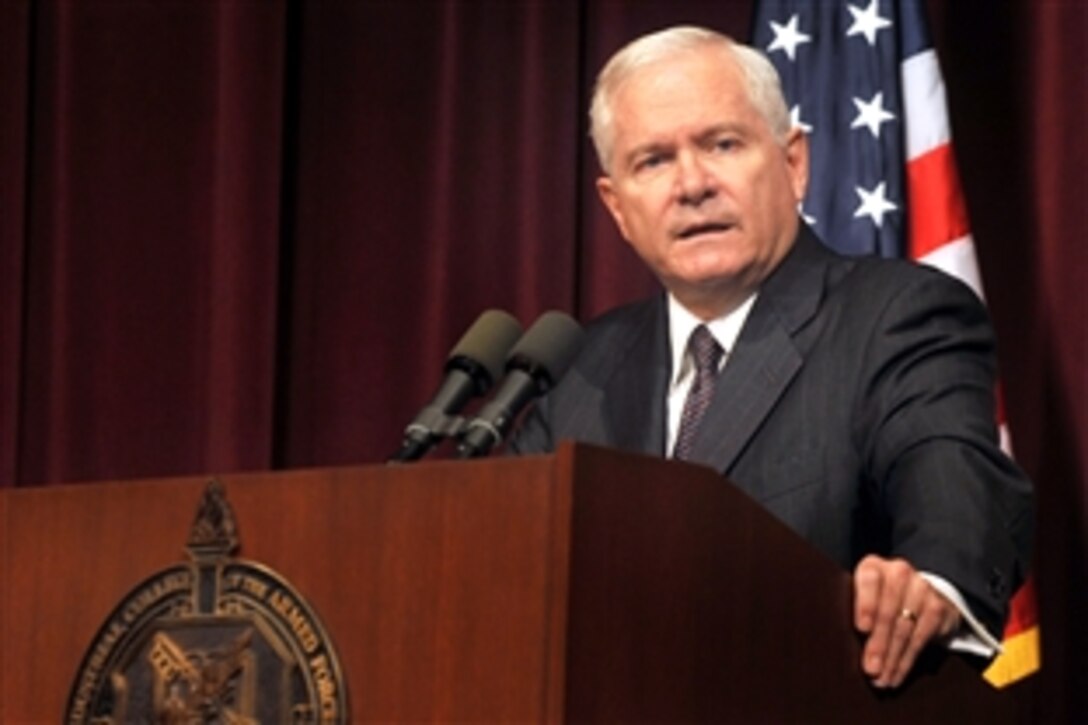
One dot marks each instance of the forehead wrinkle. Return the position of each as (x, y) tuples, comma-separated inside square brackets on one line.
[(654, 95)]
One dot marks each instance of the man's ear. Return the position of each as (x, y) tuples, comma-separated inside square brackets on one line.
[(607, 191), (797, 161)]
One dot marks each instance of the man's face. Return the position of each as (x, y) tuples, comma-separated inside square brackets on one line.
[(699, 185)]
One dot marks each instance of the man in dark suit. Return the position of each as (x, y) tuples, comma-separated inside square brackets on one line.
[(852, 397)]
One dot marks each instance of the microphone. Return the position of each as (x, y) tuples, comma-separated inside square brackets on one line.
[(472, 367), (534, 366)]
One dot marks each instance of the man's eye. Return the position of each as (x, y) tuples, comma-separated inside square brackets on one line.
[(726, 144), (650, 162)]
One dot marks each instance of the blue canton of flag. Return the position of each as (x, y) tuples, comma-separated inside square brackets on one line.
[(840, 69)]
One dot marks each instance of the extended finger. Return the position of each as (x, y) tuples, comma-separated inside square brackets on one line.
[(915, 623), (867, 584), (894, 578), (938, 618)]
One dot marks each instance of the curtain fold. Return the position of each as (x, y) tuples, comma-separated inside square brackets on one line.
[(15, 68), (428, 191), (153, 185), (1059, 344)]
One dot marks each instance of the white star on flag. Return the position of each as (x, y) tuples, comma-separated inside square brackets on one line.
[(795, 120), (836, 87), (867, 22), (871, 114), (787, 37), (873, 204)]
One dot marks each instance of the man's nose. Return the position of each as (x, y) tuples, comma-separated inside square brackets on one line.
[(694, 181)]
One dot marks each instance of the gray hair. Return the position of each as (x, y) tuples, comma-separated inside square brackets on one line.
[(761, 78)]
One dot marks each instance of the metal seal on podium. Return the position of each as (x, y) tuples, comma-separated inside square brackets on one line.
[(216, 640)]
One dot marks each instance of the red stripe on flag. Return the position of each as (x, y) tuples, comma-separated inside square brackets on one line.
[(1023, 611), (937, 212)]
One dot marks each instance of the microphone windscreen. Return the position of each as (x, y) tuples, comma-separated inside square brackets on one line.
[(548, 347), (487, 342)]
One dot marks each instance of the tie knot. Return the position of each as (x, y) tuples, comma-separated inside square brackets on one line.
[(706, 353)]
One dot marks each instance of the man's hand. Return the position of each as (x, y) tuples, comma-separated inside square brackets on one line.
[(901, 613)]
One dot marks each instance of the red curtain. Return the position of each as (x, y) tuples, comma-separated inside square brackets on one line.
[(140, 331), (1058, 112), (243, 234), (1017, 75)]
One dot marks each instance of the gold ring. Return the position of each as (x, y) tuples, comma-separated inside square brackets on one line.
[(907, 614)]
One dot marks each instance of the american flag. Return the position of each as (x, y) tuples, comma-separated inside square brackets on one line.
[(862, 80)]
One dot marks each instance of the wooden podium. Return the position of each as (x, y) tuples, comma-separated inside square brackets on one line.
[(588, 585)]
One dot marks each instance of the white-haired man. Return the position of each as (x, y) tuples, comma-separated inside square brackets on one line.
[(852, 397)]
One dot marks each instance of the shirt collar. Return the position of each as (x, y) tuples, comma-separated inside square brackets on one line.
[(725, 330)]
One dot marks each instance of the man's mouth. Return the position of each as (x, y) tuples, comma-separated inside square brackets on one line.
[(696, 230)]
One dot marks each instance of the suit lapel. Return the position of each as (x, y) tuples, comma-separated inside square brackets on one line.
[(634, 400), (765, 358)]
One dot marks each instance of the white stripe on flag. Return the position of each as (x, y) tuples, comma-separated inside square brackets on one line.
[(924, 104), (957, 258)]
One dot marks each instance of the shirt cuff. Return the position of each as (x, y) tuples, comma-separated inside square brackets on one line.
[(972, 637)]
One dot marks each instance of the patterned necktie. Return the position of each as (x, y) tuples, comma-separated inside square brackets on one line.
[(706, 353)]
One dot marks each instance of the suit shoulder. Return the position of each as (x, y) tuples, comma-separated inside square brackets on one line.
[(877, 277), (611, 337), (623, 322)]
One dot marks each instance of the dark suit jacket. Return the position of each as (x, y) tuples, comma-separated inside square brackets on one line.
[(857, 406)]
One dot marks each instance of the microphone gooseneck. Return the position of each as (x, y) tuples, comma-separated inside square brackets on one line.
[(534, 366), (472, 368)]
